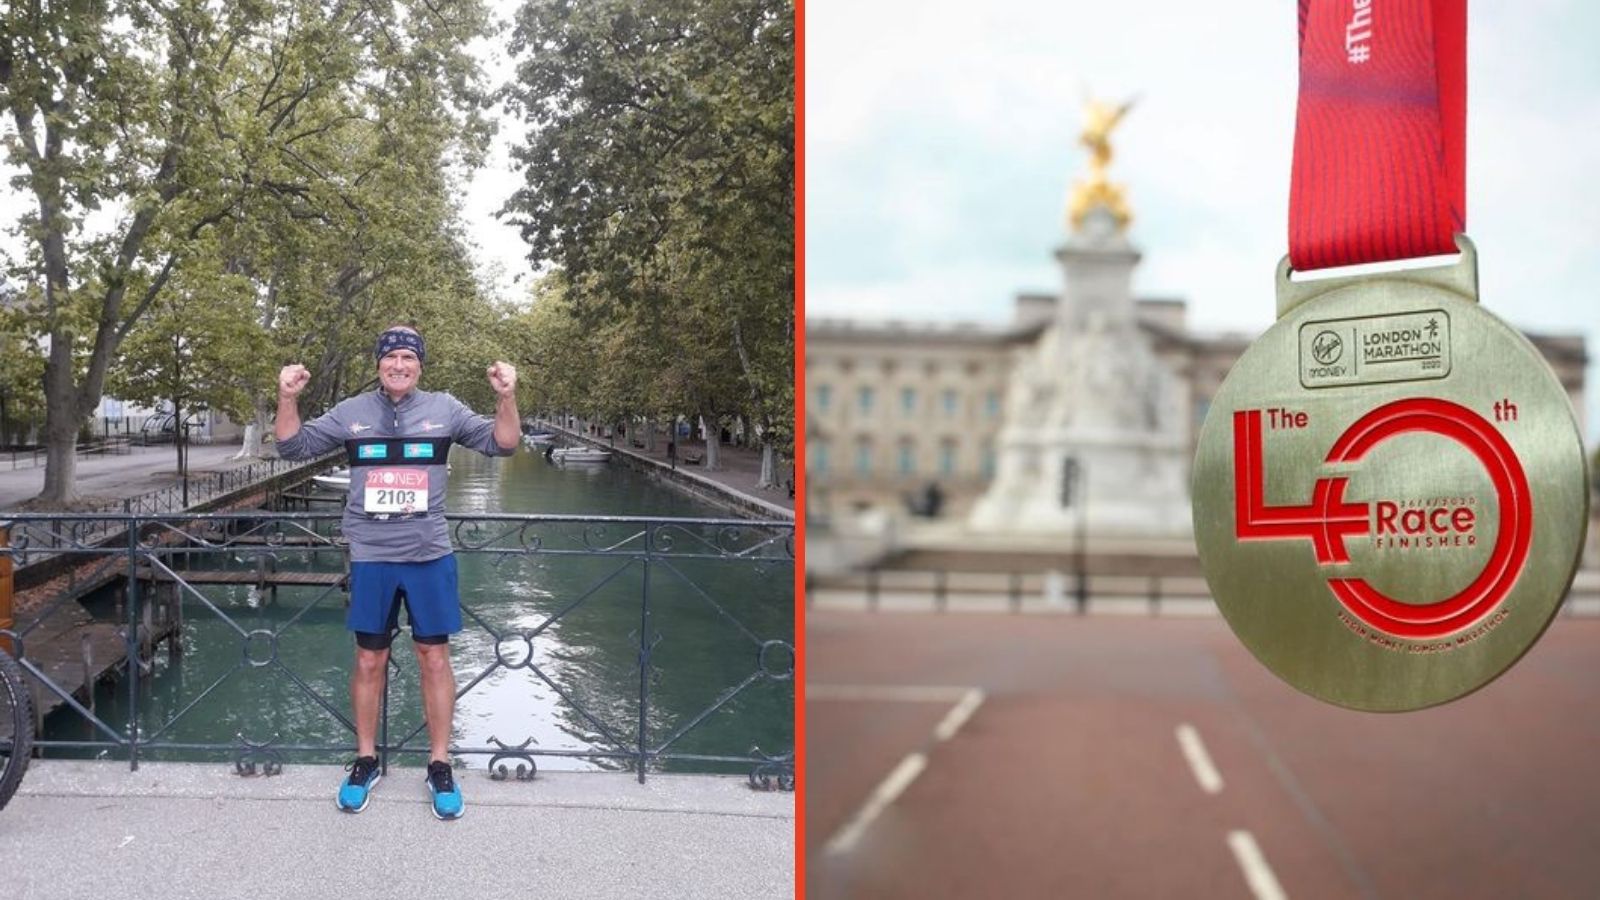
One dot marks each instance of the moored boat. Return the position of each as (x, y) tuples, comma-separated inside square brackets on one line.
[(579, 454)]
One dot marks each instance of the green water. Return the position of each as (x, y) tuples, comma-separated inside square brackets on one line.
[(707, 620)]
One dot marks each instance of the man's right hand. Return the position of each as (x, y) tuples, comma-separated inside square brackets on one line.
[(292, 379)]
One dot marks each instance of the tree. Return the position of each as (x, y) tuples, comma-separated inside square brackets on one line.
[(660, 174), (176, 117), (107, 99), (21, 366), (198, 348)]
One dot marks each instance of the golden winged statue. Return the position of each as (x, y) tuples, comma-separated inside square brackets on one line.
[(1099, 119)]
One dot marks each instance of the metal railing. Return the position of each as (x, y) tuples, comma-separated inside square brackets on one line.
[(1062, 590), (675, 583), (90, 527), (1015, 592)]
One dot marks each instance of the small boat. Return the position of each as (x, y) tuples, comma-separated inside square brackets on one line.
[(540, 439), (336, 479), (579, 454)]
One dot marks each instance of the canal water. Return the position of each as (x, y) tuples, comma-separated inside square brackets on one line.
[(583, 603)]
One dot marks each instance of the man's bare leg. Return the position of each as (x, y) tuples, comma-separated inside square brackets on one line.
[(366, 693), (438, 697)]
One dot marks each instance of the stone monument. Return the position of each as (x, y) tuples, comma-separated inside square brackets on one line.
[(1095, 434)]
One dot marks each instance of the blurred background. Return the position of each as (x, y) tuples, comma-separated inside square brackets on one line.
[(1037, 239)]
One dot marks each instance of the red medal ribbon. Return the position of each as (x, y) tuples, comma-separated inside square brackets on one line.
[(1380, 132)]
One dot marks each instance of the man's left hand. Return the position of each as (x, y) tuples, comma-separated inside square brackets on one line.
[(503, 378)]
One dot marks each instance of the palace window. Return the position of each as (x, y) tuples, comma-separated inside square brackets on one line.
[(817, 456), (908, 458)]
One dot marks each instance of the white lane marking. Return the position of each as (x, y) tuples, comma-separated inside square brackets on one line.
[(886, 793), (966, 700), (1263, 884), (958, 715), (1199, 760)]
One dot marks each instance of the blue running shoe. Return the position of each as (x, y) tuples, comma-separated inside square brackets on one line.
[(357, 788), (447, 803)]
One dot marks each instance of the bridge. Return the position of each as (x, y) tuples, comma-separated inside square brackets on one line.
[(159, 806)]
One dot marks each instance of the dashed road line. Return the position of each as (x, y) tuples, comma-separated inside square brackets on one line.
[(958, 715), (966, 700), (887, 791), (1194, 750), (1263, 884)]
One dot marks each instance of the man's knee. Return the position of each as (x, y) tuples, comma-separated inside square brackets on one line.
[(371, 662), (433, 653)]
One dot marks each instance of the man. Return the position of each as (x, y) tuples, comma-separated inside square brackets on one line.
[(398, 439)]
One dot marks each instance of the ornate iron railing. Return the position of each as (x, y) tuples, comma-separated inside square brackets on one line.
[(707, 605), (201, 488)]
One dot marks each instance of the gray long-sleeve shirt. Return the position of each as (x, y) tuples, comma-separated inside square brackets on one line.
[(392, 475)]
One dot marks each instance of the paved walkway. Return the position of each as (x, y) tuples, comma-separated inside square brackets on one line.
[(117, 476), (176, 830), (740, 467)]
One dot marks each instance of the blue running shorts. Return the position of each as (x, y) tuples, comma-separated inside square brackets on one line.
[(428, 590)]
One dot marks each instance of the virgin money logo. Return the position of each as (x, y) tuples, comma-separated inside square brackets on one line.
[(1327, 347), (1329, 520)]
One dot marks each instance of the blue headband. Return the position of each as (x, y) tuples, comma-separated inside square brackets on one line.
[(395, 339)]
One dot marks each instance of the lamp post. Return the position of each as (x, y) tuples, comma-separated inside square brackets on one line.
[(1075, 492), (181, 433)]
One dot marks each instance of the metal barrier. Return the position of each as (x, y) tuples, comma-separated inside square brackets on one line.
[(1060, 591), (700, 577), (89, 527), (945, 590)]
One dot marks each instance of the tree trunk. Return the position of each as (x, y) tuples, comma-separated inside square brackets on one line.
[(713, 435), (649, 434), (251, 449), (769, 468), (61, 461), (177, 431), (61, 421)]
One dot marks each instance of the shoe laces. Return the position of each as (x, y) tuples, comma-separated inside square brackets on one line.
[(439, 776), (361, 769)]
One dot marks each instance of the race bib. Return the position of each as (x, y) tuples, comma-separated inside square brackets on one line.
[(391, 491)]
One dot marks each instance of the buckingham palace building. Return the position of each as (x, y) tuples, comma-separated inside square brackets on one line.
[(894, 407)]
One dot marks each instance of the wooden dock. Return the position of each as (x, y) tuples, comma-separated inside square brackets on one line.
[(309, 499), (75, 651), (255, 577), (285, 540)]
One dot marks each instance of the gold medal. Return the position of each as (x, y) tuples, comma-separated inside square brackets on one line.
[(1390, 495)]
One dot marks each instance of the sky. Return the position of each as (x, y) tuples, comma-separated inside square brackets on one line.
[(500, 254), (941, 143)]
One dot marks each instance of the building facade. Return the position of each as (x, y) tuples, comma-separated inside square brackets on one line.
[(894, 407)]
